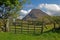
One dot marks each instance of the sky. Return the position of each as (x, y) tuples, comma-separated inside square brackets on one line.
[(51, 7)]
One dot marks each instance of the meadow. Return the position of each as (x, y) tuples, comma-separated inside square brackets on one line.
[(49, 33), (45, 36)]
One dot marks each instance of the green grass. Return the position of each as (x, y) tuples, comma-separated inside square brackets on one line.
[(44, 36), (49, 35)]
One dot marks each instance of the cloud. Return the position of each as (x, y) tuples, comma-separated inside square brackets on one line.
[(23, 13), (51, 9)]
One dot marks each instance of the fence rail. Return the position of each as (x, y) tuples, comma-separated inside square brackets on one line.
[(27, 26)]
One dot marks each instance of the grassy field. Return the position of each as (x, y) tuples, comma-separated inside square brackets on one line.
[(45, 36)]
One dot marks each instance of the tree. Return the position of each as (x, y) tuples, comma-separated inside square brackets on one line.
[(55, 20), (9, 8)]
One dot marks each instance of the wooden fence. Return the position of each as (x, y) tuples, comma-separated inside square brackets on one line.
[(28, 26)]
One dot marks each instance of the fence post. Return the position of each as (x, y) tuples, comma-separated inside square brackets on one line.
[(54, 27), (28, 26), (15, 27), (42, 25), (42, 29), (34, 26), (21, 25)]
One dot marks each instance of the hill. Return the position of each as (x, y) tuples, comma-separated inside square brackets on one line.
[(35, 14)]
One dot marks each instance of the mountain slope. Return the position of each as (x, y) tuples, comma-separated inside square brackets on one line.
[(35, 14)]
